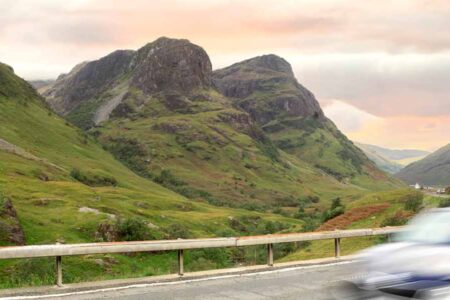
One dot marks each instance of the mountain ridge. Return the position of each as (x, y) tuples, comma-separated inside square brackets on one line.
[(391, 160), (434, 169), (198, 121)]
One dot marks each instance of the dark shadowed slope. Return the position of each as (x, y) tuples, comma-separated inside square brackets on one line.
[(432, 170)]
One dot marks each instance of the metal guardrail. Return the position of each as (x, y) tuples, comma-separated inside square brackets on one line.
[(60, 250)]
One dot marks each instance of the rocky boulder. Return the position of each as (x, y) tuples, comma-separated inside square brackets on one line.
[(11, 231)]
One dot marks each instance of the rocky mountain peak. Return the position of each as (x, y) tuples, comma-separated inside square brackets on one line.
[(270, 62), (171, 64), (88, 80), (271, 76)]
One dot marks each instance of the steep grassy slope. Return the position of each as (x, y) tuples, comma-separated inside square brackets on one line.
[(64, 186), (434, 169), (290, 115)]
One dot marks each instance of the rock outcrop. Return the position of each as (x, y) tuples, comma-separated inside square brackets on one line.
[(273, 76), (165, 65), (10, 229), (171, 65), (88, 80)]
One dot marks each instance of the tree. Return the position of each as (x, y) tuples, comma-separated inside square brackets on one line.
[(447, 190)]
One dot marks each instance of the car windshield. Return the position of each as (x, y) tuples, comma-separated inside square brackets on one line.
[(431, 227)]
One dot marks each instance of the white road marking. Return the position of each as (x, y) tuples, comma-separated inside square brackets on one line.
[(144, 285)]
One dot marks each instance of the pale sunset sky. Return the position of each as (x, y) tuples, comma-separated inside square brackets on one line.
[(380, 69)]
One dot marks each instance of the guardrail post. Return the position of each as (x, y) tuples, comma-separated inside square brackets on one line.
[(337, 247), (180, 263), (59, 271), (58, 268), (270, 255)]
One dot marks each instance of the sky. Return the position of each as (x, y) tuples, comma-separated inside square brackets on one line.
[(380, 69)]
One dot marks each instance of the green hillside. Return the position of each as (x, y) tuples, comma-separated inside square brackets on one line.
[(434, 169), (289, 114), (64, 186)]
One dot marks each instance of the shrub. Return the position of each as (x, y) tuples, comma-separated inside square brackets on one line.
[(93, 179), (127, 229), (131, 153), (314, 199), (445, 202), (399, 219), (336, 203), (336, 209), (167, 179), (414, 202), (133, 229), (177, 231), (333, 213)]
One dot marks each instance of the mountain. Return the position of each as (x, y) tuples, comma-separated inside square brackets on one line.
[(434, 169), (55, 176), (265, 87), (391, 160), (245, 136), (382, 162), (41, 85), (396, 155), (59, 183)]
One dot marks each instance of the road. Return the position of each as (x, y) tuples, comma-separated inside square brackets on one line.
[(313, 282)]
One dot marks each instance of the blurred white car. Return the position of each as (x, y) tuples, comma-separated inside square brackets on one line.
[(415, 266)]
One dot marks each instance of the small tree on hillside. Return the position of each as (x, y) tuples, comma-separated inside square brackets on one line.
[(447, 190)]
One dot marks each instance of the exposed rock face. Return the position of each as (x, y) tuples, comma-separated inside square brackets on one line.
[(169, 64), (273, 76), (10, 229), (88, 80), (165, 65)]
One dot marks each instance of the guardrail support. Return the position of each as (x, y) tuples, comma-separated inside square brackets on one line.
[(59, 271), (389, 238), (337, 247), (180, 263), (270, 255)]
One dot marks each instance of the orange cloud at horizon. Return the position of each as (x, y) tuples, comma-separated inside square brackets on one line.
[(426, 133)]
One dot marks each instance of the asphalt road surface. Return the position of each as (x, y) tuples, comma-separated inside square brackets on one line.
[(313, 282)]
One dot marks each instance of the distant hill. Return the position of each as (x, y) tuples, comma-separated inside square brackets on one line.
[(41, 85), (382, 162), (391, 160), (432, 170), (396, 154)]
